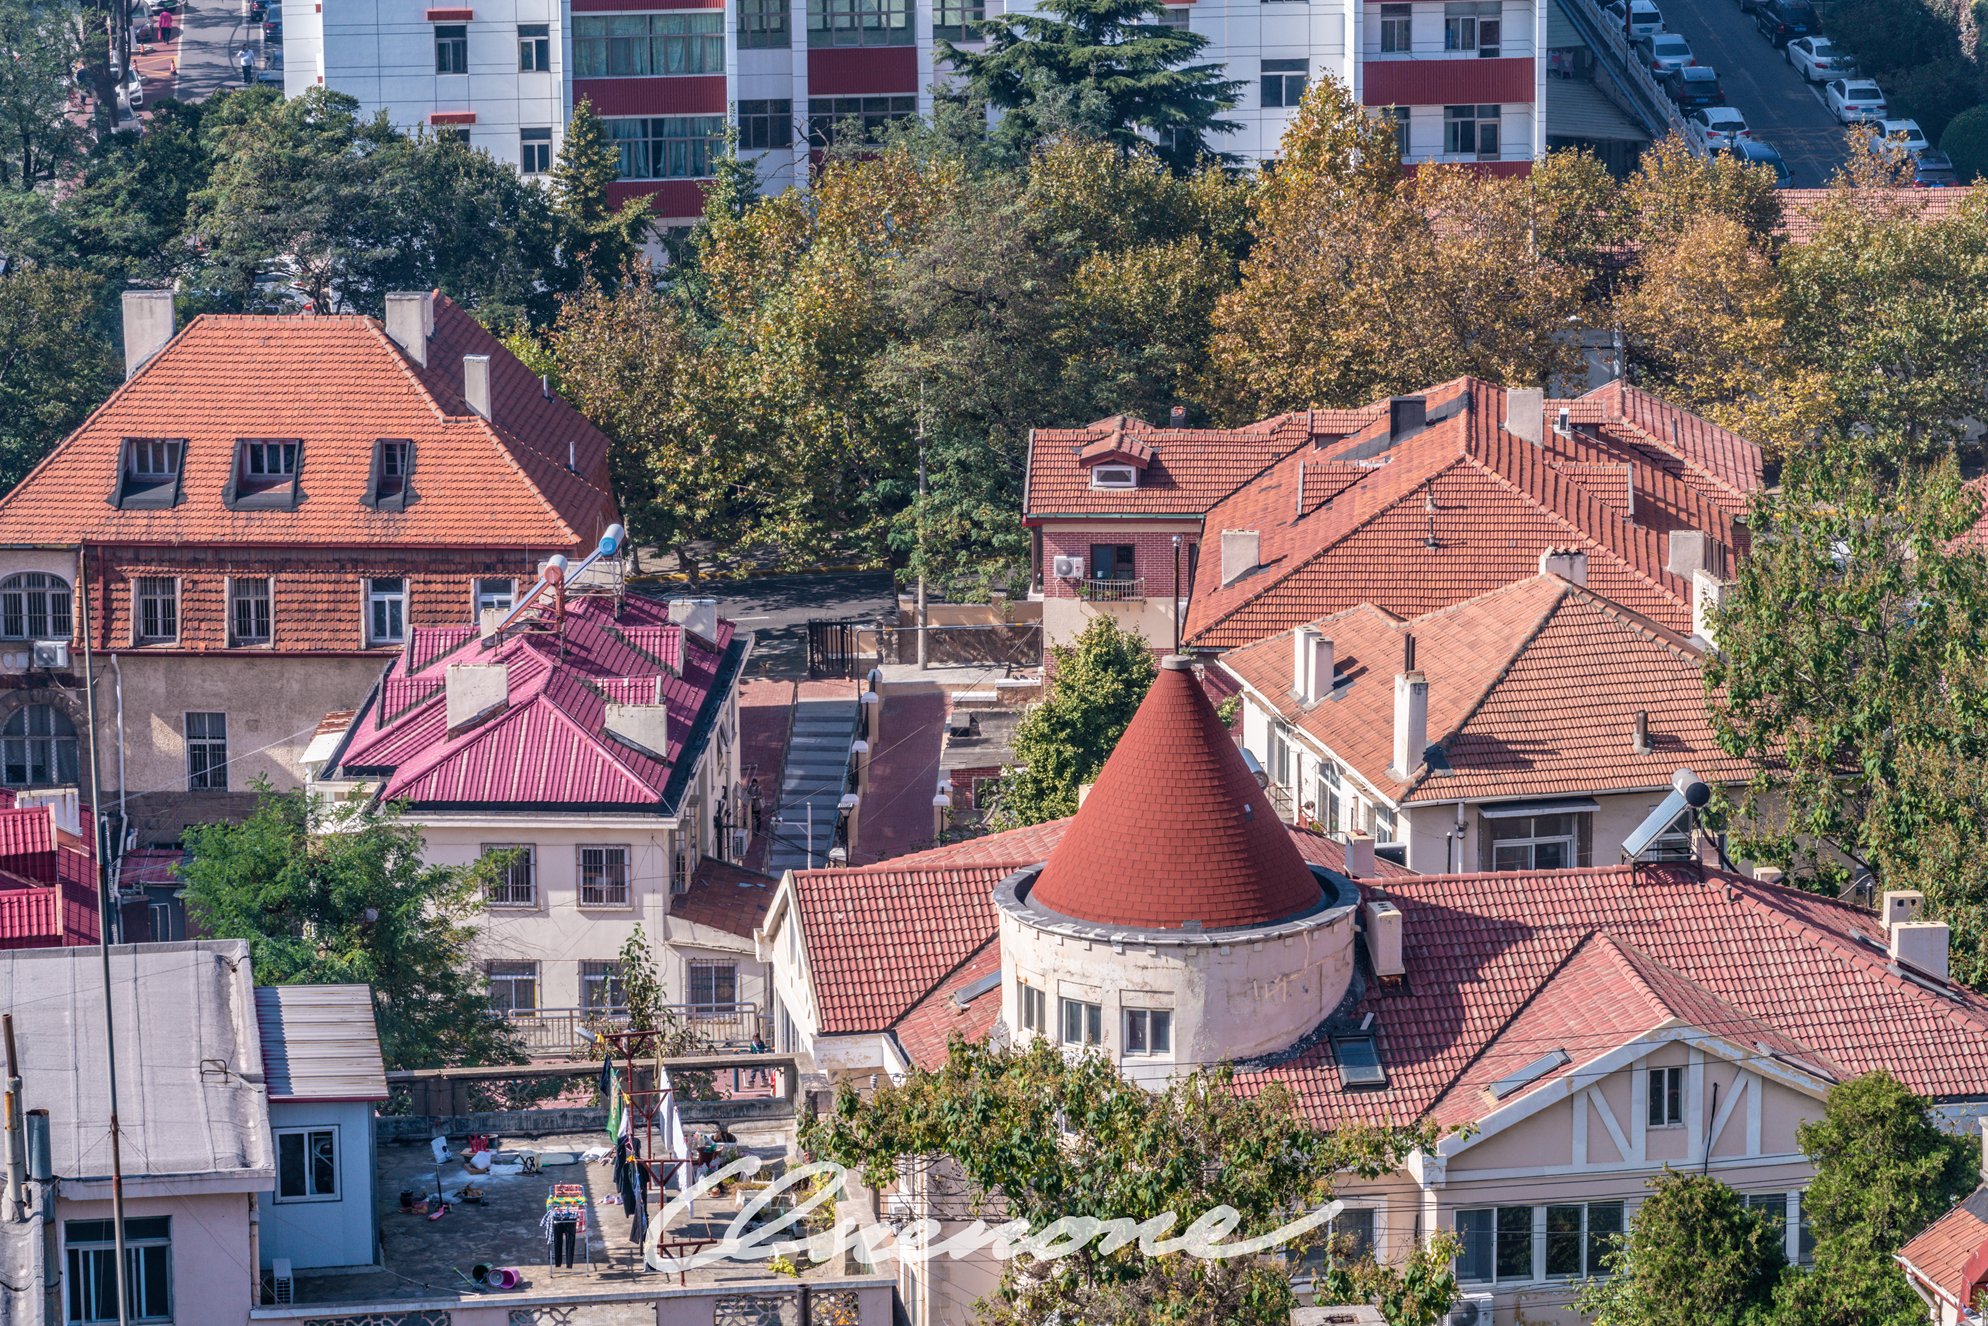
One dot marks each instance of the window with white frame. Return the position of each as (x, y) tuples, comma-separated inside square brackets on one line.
[(534, 48), (535, 150), (393, 459), (35, 605), (604, 876), (1471, 131), (1666, 1097), (207, 752), (1387, 828), (1537, 842), (452, 48), (690, 41), (516, 884), (264, 464), (1349, 1238), (500, 594), (307, 1165), (600, 986), (714, 986), (1516, 1244), (1397, 29), (149, 476), (1472, 25), (156, 620), (1404, 118), (1033, 1006), (1083, 1023), (1114, 476), (386, 610), (1149, 1031), (91, 1256), (513, 986), (249, 611), (1579, 1237), (1284, 81), (1330, 796), (38, 747)]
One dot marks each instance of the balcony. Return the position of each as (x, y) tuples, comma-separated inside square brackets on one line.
[(559, 1033), (1112, 591)]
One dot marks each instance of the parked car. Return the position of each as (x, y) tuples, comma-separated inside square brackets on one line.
[(1817, 59), (1643, 17), (1756, 153), (1693, 86), (1666, 51), (1934, 170), (1904, 134), (272, 27), (1714, 127), (1781, 21), (1854, 100), (133, 92)]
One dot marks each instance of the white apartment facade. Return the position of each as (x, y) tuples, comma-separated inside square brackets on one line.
[(1465, 78)]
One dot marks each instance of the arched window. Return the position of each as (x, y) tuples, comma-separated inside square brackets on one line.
[(38, 748), (34, 605)]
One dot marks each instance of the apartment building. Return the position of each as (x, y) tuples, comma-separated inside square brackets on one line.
[(255, 521), (1464, 79)]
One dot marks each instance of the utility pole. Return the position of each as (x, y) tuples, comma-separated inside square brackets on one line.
[(921, 527), (105, 918)]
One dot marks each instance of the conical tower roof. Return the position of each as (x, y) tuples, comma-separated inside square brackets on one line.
[(1175, 830)]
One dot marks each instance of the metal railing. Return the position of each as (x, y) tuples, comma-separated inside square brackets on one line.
[(545, 1033), (1630, 71), (1112, 591)]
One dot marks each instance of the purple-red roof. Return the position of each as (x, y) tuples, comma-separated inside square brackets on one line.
[(547, 744)]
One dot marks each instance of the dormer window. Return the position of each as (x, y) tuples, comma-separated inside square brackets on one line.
[(265, 473), (1114, 476), (393, 463), (149, 472)]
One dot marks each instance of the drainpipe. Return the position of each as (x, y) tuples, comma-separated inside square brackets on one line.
[(255, 1252), (123, 819)]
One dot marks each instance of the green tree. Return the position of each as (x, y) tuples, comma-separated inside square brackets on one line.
[(1062, 742), (128, 214), (1105, 68), (599, 238), (1048, 1136), (1419, 1292), (1883, 1172), (57, 361), (1852, 640), (1695, 1255), (339, 893), (1966, 143), (39, 44)]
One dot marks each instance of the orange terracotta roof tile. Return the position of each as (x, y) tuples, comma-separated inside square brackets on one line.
[(1950, 1256), (725, 897), (1802, 209)]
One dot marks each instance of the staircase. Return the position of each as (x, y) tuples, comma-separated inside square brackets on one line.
[(812, 784)]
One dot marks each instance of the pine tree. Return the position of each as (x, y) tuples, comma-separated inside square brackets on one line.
[(599, 239)]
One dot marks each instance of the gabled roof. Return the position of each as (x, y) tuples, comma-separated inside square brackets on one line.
[(1950, 1256), (1804, 976), (320, 1042), (547, 745), (337, 385), (1534, 690), (1186, 470), (1175, 831), (725, 897), (882, 939), (1802, 209), (1462, 506)]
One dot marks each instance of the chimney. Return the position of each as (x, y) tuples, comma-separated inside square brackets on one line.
[(1240, 550), (697, 616), (1411, 723), (1570, 564), (1901, 905), (1359, 855), (475, 689), (476, 384), (1311, 665), (1384, 935), (148, 325), (1922, 946), (1177, 417), (1685, 552), (1525, 414), (1405, 415), (646, 727), (411, 321), (1984, 1149), (1707, 593)]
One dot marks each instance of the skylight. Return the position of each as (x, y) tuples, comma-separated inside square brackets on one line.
[(1359, 1061), (1525, 1076), (977, 987)]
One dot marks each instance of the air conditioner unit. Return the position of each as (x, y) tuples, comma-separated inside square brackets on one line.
[(1068, 568), (741, 840), (283, 1283), (1469, 1310), (52, 654)]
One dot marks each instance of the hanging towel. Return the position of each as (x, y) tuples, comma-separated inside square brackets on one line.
[(616, 1122)]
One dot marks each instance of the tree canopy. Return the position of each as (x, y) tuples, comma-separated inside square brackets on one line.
[(338, 893), (1695, 1255), (1097, 683)]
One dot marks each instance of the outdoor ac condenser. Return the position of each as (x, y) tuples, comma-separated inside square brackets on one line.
[(1068, 568)]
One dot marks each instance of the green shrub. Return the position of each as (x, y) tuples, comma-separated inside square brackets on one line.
[(1966, 141)]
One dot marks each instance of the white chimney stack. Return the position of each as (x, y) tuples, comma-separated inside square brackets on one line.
[(697, 616), (1707, 593), (1901, 905), (1411, 723), (1922, 946), (1570, 564), (476, 383), (1240, 550), (1384, 935), (646, 727), (148, 325), (411, 321), (1318, 669), (1685, 551), (475, 689), (1302, 684), (1525, 414), (1359, 855)]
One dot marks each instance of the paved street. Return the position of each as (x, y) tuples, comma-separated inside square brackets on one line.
[(214, 30), (1761, 85)]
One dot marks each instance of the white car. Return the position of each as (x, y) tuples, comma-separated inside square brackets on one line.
[(1644, 18), (1715, 127), (1816, 59), (1854, 100), (1903, 134), (1667, 51)]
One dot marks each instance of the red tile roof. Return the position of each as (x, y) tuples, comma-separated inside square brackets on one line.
[(1804, 975), (1534, 690), (1175, 831), (28, 831), (547, 744), (725, 897), (1190, 468), (926, 1031), (1802, 210), (1950, 1256), (1463, 506), (337, 384)]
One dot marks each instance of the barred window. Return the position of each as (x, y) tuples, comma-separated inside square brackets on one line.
[(158, 609), (34, 605), (859, 23), (517, 884), (668, 147), (645, 45), (207, 752), (248, 611), (603, 876)]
